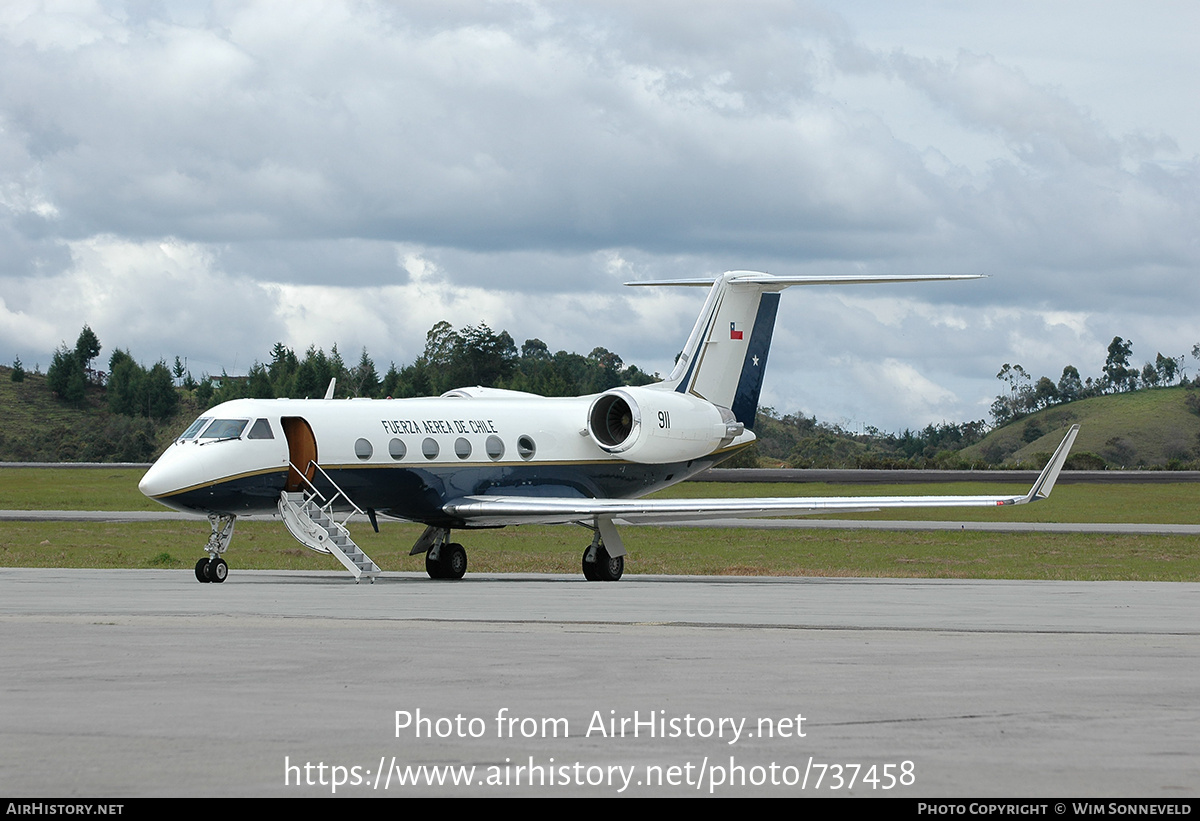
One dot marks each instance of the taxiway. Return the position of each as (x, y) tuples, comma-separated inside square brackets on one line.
[(143, 682)]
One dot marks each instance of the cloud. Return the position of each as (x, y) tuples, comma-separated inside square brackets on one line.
[(207, 179), (159, 298), (485, 137), (982, 93)]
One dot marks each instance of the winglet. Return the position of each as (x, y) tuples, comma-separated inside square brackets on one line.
[(1045, 482)]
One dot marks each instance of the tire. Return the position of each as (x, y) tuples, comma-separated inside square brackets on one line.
[(454, 561), (590, 571), (608, 568), (202, 571), (432, 567), (218, 571)]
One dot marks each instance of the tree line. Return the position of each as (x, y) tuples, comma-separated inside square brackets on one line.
[(799, 441), (130, 388), (477, 355), (1025, 396), (474, 355)]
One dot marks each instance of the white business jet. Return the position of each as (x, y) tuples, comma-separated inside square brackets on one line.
[(482, 457)]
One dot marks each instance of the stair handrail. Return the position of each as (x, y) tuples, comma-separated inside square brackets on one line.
[(327, 507)]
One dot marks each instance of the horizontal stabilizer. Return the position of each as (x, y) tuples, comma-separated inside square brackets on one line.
[(759, 278)]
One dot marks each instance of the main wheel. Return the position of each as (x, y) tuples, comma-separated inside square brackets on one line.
[(202, 571), (433, 567), (590, 571), (608, 568), (217, 571), (454, 561)]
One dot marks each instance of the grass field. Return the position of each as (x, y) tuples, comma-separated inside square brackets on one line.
[(266, 545), (707, 551), (73, 489), (116, 489)]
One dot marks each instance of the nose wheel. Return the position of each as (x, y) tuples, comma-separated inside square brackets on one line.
[(211, 570)]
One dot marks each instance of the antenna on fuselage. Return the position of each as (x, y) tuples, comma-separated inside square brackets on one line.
[(329, 390)]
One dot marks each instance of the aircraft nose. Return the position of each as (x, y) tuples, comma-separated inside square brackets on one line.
[(151, 483), (161, 478)]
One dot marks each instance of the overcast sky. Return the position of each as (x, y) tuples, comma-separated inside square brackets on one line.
[(205, 179)]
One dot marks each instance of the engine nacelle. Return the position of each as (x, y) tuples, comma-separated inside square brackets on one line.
[(478, 392), (656, 426)]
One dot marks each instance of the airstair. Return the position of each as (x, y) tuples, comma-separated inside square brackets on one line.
[(310, 517)]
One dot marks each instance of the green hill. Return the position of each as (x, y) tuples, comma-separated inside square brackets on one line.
[(1142, 429), (37, 427)]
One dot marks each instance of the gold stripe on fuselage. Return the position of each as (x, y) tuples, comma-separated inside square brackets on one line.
[(221, 481), (415, 465)]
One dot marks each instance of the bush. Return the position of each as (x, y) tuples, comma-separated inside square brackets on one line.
[(1084, 460)]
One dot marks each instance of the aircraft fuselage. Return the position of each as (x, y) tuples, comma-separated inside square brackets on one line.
[(404, 457)]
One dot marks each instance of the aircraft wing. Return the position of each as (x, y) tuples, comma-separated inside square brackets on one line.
[(512, 510)]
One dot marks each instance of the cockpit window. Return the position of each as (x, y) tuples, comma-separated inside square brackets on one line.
[(194, 428), (261, 429), (225, 429)]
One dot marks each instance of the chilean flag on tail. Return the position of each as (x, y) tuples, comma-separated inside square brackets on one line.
[(734, 333)]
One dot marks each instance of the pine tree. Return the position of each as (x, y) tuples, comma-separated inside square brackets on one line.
[(65, 376), (365, 377), (87, 348)]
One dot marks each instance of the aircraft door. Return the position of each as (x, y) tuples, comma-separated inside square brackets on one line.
[(302, 451)]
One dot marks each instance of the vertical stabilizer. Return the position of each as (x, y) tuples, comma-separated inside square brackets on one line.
[(725, 356)]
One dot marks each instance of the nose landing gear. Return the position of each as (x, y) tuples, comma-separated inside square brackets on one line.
[(213, 568)]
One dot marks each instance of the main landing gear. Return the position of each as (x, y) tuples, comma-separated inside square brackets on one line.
[(598, 566), (212, 568), (603, 561), (444, 559)]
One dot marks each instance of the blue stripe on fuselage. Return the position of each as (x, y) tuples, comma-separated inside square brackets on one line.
[(418, 492)]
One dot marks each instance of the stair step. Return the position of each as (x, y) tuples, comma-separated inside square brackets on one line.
[(334, 538)]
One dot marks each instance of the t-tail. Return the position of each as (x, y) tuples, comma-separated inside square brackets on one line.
[(725, 356)]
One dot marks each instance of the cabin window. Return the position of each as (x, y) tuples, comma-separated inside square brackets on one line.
[(494, 447), (397, 450), (462, 448), (525, 447), (429, 448), (225, 429), (194, 428), (363, 449), (261, 429)]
